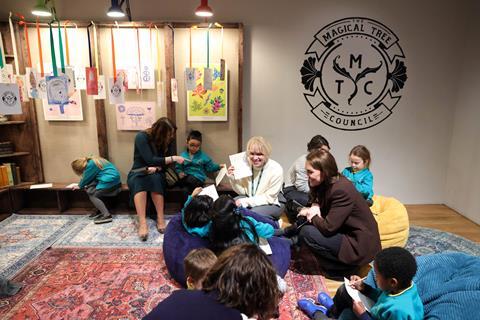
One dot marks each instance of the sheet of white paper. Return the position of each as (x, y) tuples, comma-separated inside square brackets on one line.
[(174, 90), (263, 243), (190, 78), (242, 168), (41, 186), (116, 92), (220, 175), (10, 99), (71, 185), (6, 74), (210, 191), (358, 296), (101, 89), (31, 83), (207, 78)]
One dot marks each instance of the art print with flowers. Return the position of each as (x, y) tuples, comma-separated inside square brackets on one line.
[(208, 105)]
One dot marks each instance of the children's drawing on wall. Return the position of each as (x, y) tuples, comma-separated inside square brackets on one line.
[(135, 115), (101, 89), (6, 74), (71, 111), (9, 99), (31, 83), (116, 92), (208, 105), (80, 78)]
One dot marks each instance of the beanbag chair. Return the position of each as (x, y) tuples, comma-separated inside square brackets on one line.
[(177, 243), (392, 219), (448, 284)]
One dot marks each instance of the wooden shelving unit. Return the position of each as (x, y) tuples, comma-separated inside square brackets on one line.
[(15, 154), (6, 123)]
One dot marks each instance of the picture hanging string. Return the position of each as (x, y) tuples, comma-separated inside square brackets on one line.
[(95, 47), (114, 66), (14, 46), (60, 43), (27, 42), (52, 52), (67, 53), (190, 49), (139, 78), (89, 48), (40, 55), (2, 55), (158, 55), (208, 47)]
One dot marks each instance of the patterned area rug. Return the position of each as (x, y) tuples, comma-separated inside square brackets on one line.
[(423, 241), (120, 233), (113, 284), (23, 237)]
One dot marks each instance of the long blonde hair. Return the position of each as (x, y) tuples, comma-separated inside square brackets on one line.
[(79, 165)]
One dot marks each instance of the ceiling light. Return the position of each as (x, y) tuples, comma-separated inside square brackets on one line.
[(41, 9), (203, 10), (115, 10)]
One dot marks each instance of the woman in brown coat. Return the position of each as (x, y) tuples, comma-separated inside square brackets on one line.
[(343, 232)]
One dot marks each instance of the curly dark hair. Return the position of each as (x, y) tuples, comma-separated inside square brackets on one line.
[(398, 263), (197, 212), (158, 134), (245, 279), (226, 228)]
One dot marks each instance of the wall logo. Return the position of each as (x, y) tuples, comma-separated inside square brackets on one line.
[(354, 73), (9, 98)]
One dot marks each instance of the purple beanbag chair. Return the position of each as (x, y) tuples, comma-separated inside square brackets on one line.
[(177, 243)]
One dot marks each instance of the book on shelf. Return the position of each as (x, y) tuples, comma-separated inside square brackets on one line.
[(9, 174)]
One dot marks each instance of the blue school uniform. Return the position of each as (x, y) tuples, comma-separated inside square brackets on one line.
[(106, 178), (198, 166), (362, 180)]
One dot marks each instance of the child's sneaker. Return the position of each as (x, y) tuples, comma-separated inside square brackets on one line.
[(324, 299), (104, 218), (94, 214), (310, 307)]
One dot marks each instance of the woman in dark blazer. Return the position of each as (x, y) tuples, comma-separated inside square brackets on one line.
[(152, 154), (343, 232)]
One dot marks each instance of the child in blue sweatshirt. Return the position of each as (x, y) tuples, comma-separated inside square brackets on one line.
[(193, 171), (395, 298), (100, 179), (359, 173)]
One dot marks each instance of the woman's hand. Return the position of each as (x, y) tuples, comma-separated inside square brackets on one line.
[(303, 212), (196, 191), (75, 187), (151, 170), (313, 211), (178, 159), (358, 308), (231, 170)]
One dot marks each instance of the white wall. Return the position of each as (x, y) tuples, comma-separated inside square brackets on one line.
[(463, 174), (409, 147)]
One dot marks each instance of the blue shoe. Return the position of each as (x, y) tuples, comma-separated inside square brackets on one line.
[(310, 307), (325, 300)]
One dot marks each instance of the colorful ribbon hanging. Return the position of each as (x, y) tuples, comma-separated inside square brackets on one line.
[(60, 44), (139, 70), (89, 47), (52, 52), (113, 56), (14, 44), (95, 47), (158, 55), (190, 49), (208, 46), (40, 55), (67, 53), (2, 55)]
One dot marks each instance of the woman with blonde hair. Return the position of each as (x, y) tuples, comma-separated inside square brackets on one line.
[(100, 179), (259, 192), (153, 153)]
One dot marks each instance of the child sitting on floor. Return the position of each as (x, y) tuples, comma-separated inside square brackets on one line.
[(396, 297), (359, 173), (193, 171), (230, 227), (100, 179), (197, 263), (196, 216)]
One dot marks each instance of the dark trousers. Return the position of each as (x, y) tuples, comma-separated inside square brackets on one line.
[(189, 183), (291, 193), (326, 250)]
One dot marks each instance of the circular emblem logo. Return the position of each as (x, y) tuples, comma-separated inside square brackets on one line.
[(116, 90), (353, 73), (9, 98)]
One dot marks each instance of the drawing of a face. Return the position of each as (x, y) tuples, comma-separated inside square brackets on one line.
[(9, 98)]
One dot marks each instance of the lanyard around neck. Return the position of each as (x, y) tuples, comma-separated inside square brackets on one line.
[(254, 191)]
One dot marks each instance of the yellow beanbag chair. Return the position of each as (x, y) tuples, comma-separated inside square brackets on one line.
[(392, 220)]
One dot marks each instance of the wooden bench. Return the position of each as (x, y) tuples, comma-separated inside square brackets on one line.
[(61, 200)]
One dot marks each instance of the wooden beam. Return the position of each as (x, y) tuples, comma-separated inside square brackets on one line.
[(170, 74), (240, 87)]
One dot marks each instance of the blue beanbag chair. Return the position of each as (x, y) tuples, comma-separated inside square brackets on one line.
[(177, 243)]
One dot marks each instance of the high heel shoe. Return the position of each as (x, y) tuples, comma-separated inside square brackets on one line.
[(143, 233)]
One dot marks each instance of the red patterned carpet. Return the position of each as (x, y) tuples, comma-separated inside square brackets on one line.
[(112, 284)]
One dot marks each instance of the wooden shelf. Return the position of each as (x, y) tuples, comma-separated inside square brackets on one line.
[(5, 123), (18, 185), (15, 154)]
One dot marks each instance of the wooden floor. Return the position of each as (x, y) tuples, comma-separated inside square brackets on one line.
[(434, 216)]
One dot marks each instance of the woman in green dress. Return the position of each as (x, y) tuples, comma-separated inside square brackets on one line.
[(153, 153)]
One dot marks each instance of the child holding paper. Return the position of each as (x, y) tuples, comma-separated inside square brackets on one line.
[(395, 298), (193, 171)]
